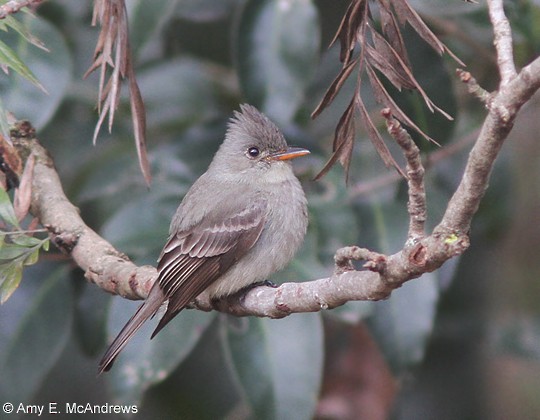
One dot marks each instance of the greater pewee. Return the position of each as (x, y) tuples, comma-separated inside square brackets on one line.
[(241, 221)]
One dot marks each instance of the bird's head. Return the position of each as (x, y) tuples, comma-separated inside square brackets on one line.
[(254, 146)]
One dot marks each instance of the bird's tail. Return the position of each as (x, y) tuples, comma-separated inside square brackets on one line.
[(147, 310)]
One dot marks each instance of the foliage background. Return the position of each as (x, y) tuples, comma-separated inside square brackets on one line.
[(463, 342)]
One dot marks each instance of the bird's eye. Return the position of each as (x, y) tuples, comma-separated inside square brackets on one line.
[(253, 152)]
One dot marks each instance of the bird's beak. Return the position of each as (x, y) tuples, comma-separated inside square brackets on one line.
[(289, 153)]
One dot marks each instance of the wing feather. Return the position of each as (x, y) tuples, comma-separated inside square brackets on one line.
[(196, 257)]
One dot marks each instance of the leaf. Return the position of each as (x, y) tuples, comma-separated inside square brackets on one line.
[(403, 323), (405, 13), (12, 23), (90, 319), (277, 45), (335, 87), (173, 104), (353, 21), (23, 251), (278, 363), (9, 58), (39, 341), (146, 20), (10, 278), (7, 213), (145, 362), (343, 142), (382, 96), (23, 194), (205, 10), (377, 141), (54, 71), (138, 117)]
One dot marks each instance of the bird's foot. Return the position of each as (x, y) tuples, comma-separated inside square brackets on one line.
[(267, 283)]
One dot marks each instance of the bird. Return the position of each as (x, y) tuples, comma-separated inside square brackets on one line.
[(241, 221)]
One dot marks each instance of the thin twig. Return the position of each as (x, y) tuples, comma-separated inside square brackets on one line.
[(503, 41), (415, 176), (473, 87), (13, 6)]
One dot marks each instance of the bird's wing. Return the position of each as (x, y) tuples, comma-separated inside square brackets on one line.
[(192, 259), (195, 257)]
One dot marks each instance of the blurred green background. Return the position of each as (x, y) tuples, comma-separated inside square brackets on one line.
[(460, 343)]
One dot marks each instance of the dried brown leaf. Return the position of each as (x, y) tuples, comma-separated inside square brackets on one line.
[(335, 87), (10, 163), (405, 13), (354, 18), (377, 140), (23, 194), (343, 142), (112, 56), (391, 29), (138, 116), (383, 97), (390, 63)]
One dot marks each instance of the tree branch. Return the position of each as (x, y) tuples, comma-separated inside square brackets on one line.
[(103, 265), (114, 272), (14, 6), (503, 41), (415, 176)]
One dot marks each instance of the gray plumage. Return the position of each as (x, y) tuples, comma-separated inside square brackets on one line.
[(241, 221)]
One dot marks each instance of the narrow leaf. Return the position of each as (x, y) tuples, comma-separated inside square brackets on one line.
[(10, 278), (335, 87), (277, 48), (9, 58), (382, 96), (278, 364), (138, 116), (23, 194), (377, 140), (39, 341), (343, 142), (23, 31), (7, 213), (406, 13)]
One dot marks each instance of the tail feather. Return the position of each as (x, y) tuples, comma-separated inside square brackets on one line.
[(147, 310)]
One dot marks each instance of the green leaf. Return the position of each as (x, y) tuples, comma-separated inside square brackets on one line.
[(278, 363), (10, 252), (10, 278), (91, 313), (26, 241), (404, 322), (146, 18), (53, 69), (10, 58), (205, 10), (170, 103), (39, 341), (145, 362), (12, 23), (277, 47), (7, 213)]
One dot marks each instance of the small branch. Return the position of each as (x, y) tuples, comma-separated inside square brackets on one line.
[(503, 110), (349, 285), (502, 41), (473, 87), (13, 6), (415, 176)]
